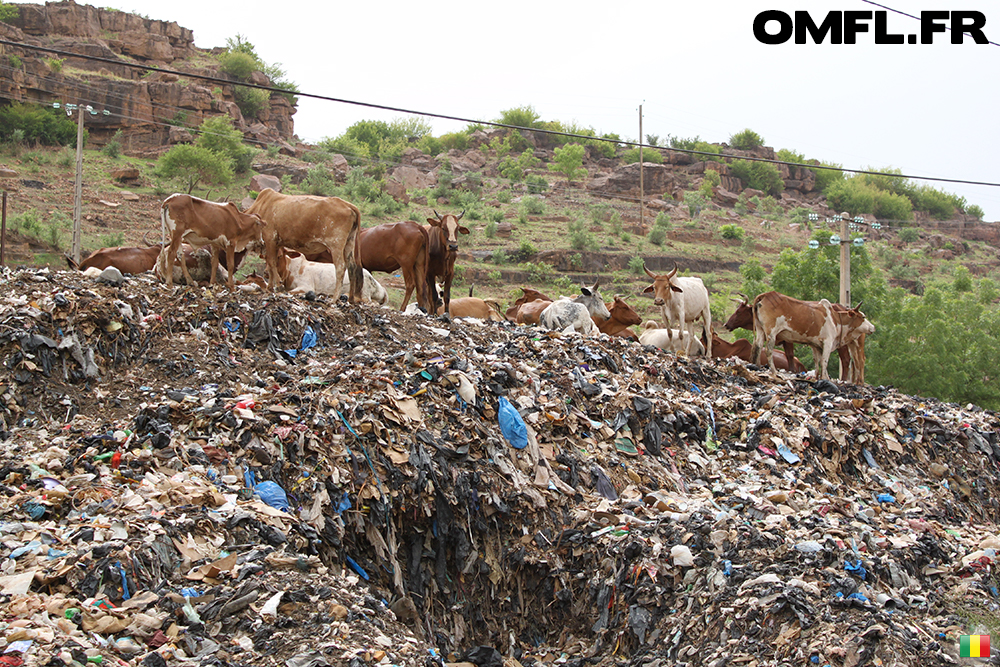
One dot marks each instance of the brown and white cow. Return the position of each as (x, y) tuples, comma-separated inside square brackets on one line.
[(310, 225), (200, 223), (300, 275), (622, 317), (442, 234), (850, 370), (683, 300), (779, 318)]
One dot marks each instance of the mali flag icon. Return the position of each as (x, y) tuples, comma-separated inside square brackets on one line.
[(974, 646)]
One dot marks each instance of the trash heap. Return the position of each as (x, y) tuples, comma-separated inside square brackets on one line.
[(197, 477)]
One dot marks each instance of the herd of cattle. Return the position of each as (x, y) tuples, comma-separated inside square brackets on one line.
[(316, 244)]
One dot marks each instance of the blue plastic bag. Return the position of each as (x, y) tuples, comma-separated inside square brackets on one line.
[(272, 494), (511, 425)]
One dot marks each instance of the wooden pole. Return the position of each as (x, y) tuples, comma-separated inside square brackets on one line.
[(78, 195), (3, 230), (642, 189), (845, 264)]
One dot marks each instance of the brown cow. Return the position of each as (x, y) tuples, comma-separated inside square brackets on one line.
[(742, 348), (531, 312), (777, 317), (528, 296), (742, 318), (309, 225), (201, 223), (441, 253), (622, 317), (470, 306), (399, 246), (130, 260)]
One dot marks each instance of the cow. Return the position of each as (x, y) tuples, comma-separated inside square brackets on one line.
[(200, 223), (531, 312), (310, 224), (442, 250), (199, 264), (742, 349), (529, 295), (126, 260), (742, 318), (569, 315), (689, 304), (779, 318), (470, 306), (622, 317), (670, 340), (397, 246), (300, 275)]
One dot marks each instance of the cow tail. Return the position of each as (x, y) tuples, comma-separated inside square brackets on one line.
[(161, 258), (354, 266), (758, 335), (420, 278)]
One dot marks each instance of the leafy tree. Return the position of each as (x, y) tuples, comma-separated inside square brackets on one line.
[(759, 176), (191, 165), (569, 161), (37, 123), (754, 278), (746, 140), (218, 135), (9, 12), (631, 156), (238, 64), (525, 116), (827, 177), (976, 211)]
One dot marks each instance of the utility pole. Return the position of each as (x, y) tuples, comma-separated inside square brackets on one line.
[(845, 263), (642, 189), (78, 193)]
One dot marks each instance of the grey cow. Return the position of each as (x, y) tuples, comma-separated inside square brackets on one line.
[(569, 315)]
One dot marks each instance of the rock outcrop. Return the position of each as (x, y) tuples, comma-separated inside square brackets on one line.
[(150, 108)]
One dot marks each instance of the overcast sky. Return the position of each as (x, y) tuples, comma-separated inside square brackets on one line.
[(696, 67)]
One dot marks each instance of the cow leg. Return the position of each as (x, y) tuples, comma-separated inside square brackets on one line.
[(447, 290), (271, 262), (184, 268), (175, 245), (338, 265), (410, 284), (707, 323), (419, 270), (825, 361)]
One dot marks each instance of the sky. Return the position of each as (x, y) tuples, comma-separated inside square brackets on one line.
[(696, 68)]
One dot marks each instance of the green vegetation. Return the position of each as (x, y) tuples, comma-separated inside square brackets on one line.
[(658, 234), (218, 135), (695, 201), (533, 205), (909, 234), (9, 12), (12, 60), (857, 195), (636, 265), (37, 124), (697, 144), (113, 149), (513, 168), (732, 231), (746, 140), (569, 161), (193, 165), (631, 156), (580, 238), (240, 60), (759, 176), (55, 64)]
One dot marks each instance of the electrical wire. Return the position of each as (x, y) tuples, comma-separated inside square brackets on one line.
[(227, 82), (897, 11)]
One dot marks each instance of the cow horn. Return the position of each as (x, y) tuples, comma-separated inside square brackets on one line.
[(745, 297), (460, 215), (648, 272), (436, 214), (858, 307), (596, 285), (674, 272), (737, 300), (144, 239)]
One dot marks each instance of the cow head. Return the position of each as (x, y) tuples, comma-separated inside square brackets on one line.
[(448, 223), (591, 298), (742, 318), (662, 286), (623, 313)]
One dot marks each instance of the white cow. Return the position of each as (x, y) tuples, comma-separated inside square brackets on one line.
[(682, 300), (670, 340), (575, 315), (299, 275)]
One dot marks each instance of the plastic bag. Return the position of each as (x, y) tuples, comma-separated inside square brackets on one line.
[(272, 494), (511, 425)]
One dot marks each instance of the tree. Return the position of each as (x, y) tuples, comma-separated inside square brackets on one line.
[(569, 161), (191, 165), (218, 135)]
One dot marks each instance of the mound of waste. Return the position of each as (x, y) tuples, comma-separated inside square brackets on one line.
[(206, 478)]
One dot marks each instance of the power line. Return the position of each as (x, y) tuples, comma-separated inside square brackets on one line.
[(382, 107), (897, 11)]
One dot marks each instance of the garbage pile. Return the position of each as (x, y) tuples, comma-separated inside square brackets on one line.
[(197, 477)]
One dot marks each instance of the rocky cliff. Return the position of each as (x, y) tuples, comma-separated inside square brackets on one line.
[(151, 109)]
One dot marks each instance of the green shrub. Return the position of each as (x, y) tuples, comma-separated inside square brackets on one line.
[(538, 271), (12, 60), (637, 265), (697, 144), (319, 182), (695, 202), (662, 221), (616, 224), (55, 64), (786, 155), (491, 229), (732, 231), (939, 204), (525, 116), (499, 256), (536, 184), (712, 178), (513, 168), (759, 175), (504, 196), (827, 177), (43, 125), (522, 216), (657, 236), (9, 11), (746, 140), (191, 165), (580, 238), (495, 215), (272, 151), (27, 223), (533, 205), (238, 64), (800, 215), (430, 145), (976, 211), (251, 101), (631, 156), (909, 234), (455, 140), (856, 196), (569, 161), (495, 276), (112, 239), (113, 149)]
